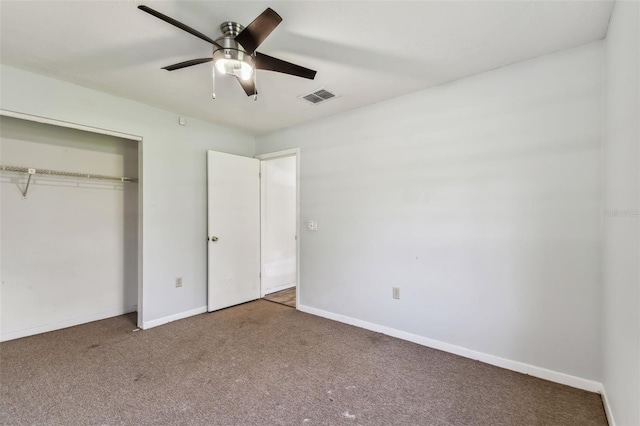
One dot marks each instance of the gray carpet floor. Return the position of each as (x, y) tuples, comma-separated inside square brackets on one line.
[(262, 363)]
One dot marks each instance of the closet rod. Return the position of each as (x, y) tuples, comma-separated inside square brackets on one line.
[(32, 171)]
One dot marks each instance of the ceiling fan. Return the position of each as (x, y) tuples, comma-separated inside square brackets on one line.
[(234, 53)]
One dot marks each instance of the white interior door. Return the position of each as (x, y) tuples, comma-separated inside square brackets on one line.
[(234, 229)]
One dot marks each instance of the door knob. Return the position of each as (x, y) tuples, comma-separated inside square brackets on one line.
[(214, 239)]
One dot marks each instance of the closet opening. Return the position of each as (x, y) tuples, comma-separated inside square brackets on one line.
[(70, 217)]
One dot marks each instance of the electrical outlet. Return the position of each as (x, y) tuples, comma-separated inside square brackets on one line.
[(312, 225), (396, 292), (178, 282)]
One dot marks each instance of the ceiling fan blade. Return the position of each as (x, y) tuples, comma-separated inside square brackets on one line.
[(255, 33), (187, 64), (248, 85), (178, 24), (266, 62)]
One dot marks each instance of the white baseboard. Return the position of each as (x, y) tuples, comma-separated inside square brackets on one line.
[(607, 408), (175, 317), (66, 323), (520, 367), (279, 288)]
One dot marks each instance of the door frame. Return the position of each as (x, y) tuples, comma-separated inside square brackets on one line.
[(293, 152)]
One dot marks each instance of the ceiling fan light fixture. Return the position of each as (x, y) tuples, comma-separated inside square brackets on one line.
[(237, 67), (232, 60)]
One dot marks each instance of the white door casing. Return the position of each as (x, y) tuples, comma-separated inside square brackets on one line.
[(294, 152)]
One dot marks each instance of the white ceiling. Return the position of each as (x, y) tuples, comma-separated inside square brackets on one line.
[(365, 51)]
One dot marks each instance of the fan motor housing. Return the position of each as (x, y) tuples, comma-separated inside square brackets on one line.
[(231, 49), (230, 57)]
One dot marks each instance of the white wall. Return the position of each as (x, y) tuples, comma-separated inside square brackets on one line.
[(621, 201), (478, 198), (69, 250), (173, 180), (278, 225)]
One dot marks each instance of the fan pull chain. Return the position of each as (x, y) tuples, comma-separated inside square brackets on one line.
[(213, 82), (255, 77)]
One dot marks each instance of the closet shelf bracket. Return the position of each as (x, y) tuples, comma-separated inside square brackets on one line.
[(31, 172)]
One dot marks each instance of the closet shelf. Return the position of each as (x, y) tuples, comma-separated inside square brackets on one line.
[(29, 171), (45, 172)]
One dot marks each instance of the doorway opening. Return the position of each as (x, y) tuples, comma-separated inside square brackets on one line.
[(253, 224), (279, 227)]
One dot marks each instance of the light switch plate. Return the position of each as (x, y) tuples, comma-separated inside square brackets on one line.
[(312, 225)]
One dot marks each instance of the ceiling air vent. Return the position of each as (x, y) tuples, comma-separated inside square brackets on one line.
[(318, 96)]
